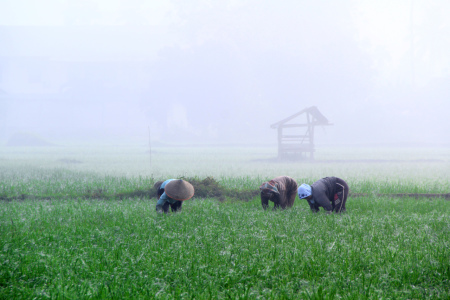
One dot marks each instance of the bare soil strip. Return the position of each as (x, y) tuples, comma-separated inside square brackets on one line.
[(204, 188), (237, 195), (402, 195)]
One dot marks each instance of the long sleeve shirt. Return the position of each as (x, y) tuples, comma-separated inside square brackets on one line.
[(164, 198), (282, 192), (323, 191)]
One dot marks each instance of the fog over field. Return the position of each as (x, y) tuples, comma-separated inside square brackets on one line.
[(221, 72)]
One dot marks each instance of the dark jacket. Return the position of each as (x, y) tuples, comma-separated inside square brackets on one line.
[(283, 194), (323, 191)]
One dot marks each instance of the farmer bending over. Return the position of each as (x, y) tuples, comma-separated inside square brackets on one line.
[(281, 191), (329, 192), (172, 192)]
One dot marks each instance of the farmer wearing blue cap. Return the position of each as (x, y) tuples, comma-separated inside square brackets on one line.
[(281, 191), (329, 192), (172, 192)]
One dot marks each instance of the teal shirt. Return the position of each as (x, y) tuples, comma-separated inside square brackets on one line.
[(164, 198)]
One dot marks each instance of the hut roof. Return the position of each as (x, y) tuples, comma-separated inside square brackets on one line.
[(318, 118)]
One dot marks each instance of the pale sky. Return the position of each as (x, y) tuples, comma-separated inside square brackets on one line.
[(384, 62), (383, 27)]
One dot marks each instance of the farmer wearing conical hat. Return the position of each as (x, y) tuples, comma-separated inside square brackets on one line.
[(280, 190), (329, 192), (172, 192)]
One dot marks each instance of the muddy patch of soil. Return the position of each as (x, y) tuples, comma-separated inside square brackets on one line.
[(210, 188)]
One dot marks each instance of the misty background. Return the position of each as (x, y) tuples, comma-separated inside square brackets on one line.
[(221, 72)]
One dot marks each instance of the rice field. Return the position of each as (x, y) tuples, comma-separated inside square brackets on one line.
[(80, 223)]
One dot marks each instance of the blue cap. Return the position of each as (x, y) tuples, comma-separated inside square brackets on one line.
[(304, 191)]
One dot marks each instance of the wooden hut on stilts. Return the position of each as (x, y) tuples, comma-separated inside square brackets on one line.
[(296, 140)]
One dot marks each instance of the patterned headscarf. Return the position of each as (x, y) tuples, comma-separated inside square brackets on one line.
[(268, 187)]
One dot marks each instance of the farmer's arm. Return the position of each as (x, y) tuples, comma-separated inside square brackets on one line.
[(322, 200), (264, 200), (161, 202), (314, 208)]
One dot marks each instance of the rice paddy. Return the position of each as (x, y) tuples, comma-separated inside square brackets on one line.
[(89, 230)]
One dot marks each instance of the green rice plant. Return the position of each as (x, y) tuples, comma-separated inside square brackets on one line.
[(102, 249), (94, 232)]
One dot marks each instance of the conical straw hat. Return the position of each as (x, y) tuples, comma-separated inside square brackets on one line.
[(179, 190)]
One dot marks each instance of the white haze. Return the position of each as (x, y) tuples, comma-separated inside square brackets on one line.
[(224, 71)]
